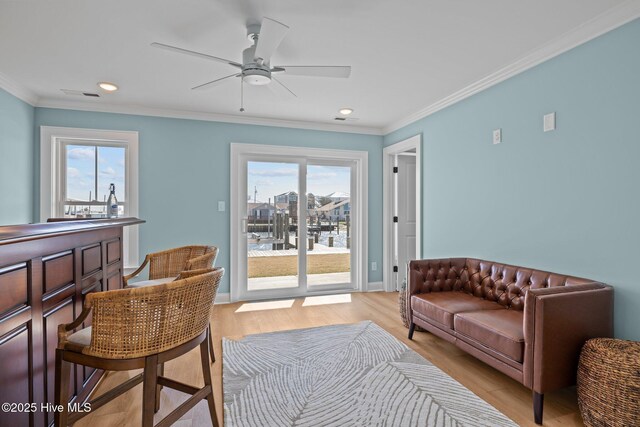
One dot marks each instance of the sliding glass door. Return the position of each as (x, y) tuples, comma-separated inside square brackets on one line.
[(272, 225), (329, 224), (298, 226)]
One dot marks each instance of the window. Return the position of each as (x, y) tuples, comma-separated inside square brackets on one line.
[(89, 170), (77, 168)]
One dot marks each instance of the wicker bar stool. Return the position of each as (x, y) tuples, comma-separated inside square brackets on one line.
[(165, 266), (140, 328), (609, 383)]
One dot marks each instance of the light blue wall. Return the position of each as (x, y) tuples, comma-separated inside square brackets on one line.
[(566, 201), (184, 171), (16, 160)]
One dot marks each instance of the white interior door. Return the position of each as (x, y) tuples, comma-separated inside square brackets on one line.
[(406, 205), (401, 199)]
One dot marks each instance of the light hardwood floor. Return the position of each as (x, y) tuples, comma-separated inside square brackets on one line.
[(497, 389)]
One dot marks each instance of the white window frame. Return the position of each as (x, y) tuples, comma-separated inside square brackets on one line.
[(53, 176), (240, 154)]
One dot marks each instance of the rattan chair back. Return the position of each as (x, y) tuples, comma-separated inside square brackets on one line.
[(171, 262), (136, 322)]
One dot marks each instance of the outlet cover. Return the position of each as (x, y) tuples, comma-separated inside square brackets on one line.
[(497, 136), (549, 122), (374, 266), (221, 206)]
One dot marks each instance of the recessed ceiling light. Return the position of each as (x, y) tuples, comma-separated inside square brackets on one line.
[(346, 111), (109, 87)]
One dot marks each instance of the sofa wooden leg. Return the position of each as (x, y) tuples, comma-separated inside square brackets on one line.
[(412, 327), (538, 405)]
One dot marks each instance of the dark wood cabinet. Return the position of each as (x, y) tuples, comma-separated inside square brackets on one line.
[(45, 272)]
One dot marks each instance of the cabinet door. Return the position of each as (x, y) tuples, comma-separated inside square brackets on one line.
[(15, 376), (15, 354), (63, 312)]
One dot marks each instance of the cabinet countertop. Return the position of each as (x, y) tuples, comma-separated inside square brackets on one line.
[(59, 226)]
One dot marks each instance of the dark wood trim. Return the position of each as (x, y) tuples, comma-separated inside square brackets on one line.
[(10, 234)]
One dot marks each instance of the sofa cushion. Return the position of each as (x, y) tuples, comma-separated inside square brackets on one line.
[(441, 306), (501, 330)]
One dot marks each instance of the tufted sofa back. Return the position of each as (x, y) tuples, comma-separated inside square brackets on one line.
[(503, 283)]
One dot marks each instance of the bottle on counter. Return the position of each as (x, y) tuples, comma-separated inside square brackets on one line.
[(112, 202)]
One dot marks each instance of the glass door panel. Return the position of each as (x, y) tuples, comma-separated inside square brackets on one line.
[(272, 225), (329, 225)]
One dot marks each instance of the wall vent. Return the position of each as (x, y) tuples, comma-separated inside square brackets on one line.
[(79, 93)]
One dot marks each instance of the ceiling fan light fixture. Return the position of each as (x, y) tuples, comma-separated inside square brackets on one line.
[(109, 87), (345, 111), (256, 79)]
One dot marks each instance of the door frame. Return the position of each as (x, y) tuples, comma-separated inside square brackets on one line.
[(388, 156), (240, 152)]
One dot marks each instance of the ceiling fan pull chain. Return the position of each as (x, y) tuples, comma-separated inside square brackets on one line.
[(241, 95)]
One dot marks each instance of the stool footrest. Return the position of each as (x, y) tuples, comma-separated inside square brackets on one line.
[(185, 407), (107, 397), (176, 385)]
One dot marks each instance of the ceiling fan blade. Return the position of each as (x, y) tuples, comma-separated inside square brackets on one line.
[(213, 82), (271, 35), (316, 71), (196, 54), (282, 84)]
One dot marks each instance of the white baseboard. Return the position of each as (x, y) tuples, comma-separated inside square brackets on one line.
[(223, 298), (375, 287)]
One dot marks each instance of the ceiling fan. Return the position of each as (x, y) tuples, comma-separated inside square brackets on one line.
[(256, 68)]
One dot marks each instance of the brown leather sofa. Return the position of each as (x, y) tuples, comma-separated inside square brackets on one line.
[(528, 324)]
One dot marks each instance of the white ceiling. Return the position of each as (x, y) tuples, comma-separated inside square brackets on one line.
[(405, 55)]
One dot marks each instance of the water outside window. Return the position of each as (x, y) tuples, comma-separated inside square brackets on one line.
[(273, 233), (90, 171), (272, 225), (329, 225)]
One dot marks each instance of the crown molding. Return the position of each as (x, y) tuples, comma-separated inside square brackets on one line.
[(210, 117), (18, 90), (612, 18)]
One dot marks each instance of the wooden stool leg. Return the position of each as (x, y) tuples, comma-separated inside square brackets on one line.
[(206, 373), (159, 387), (149, 390), (63, 372), (211, 352)]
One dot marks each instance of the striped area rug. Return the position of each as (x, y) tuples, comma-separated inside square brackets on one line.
[(342, 375)]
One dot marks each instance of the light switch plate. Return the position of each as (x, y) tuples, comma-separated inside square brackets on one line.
[(497, 136), (221, 206), (374, 266), (549, 122)]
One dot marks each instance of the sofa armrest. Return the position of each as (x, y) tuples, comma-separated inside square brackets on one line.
[(431, 275), (557, 322)]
